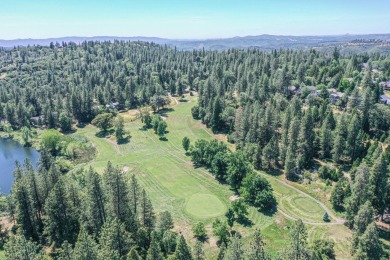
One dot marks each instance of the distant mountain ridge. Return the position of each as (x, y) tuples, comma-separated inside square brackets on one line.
[(347, 42)]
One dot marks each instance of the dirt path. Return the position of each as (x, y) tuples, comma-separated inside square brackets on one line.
[(337, 220)]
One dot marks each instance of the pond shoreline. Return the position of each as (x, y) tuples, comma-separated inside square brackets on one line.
[(11, 151)]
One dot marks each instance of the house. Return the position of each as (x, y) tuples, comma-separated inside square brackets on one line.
[(385, 99), (335, 96), (113, 105), (313, 91), (37, 120), (385, 85), (292, 90)]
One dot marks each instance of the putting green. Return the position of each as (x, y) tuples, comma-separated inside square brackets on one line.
[(204, 206)]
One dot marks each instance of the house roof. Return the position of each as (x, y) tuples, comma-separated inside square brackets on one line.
[(385, 97)]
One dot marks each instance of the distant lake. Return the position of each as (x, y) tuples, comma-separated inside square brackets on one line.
[(11, 151)]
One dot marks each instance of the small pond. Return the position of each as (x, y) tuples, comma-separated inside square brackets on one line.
[(11, 151)]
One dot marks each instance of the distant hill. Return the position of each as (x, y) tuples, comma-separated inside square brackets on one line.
[(76, 39), (347, 43)]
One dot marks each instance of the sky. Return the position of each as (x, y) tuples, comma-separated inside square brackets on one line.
[(195, 19)]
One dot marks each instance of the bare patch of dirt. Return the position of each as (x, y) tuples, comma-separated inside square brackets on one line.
[(2, 76), (126, 169), (280, 221), (6, 223)]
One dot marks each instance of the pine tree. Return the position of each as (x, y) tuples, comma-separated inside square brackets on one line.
[(61, 220), (326, 138), (284, 138), (135, 192), (230, 217), (118, 200), (147, 216), (24, 213), (216, 115), (270, 154), (378, 182), (198, 251), (340, 193), (66, 252), (305, 141), (133, 255), (119, 129), (154, 251), (360, 193), (36, 200), (298, 248), (364, 217), (369, 246), (339, 143), (165, 221), (85, 247), (18, 247), (169, 242), (96, 202), (352, 136), (234, 250), (115, 241), (256, 247), (182, 251), (290, 165)]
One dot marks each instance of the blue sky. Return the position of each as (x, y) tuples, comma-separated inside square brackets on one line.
[(197, 19)]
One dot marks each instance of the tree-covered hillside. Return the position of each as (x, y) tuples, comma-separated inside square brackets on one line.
[(301, 115)]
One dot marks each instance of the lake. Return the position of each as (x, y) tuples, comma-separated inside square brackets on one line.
[(11, 151)]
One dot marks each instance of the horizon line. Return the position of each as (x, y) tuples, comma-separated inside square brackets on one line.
[(201, 39)]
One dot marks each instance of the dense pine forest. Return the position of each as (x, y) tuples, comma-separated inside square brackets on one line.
[(289, 113)]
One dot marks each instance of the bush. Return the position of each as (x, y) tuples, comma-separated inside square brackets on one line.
[(329, 174), (199, 230), (195, 112), (50, 140)]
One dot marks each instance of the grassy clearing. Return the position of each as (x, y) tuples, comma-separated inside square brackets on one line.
[(192, 195)]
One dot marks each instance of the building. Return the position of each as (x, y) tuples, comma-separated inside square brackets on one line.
[(385, 85), (385, 99), (334, 95), (37, 120), (113, 105)]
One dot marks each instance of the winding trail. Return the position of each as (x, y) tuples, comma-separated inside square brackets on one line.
[(338, 221)]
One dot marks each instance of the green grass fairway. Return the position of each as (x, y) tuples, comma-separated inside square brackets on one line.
[(2, 256), (192, 194), (163, 169), (204, 206), (295, 204)]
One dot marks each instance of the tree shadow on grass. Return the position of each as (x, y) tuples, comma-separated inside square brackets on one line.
[(246, 222), (203, 239), (235, 233), (102, 133), (72, 131), (164, 112), (124, 140), (270, 212), (274, 172), (81, 125)]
